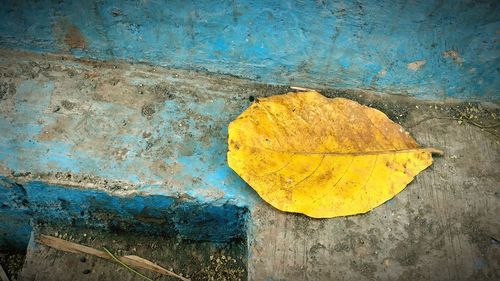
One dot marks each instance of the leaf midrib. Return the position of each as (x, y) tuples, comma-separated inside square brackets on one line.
[(360, 153)]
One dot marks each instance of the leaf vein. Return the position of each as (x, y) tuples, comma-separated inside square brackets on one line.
[(337, 182), (371, 172), (308, 176), (274, 172)]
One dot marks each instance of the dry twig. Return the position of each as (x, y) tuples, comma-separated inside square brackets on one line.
[(134, 261), (465, 119), (302, 89)]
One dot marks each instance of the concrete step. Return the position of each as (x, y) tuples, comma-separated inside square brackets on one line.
[(194, 260), (443, 226), (133, 148), (117, 145)]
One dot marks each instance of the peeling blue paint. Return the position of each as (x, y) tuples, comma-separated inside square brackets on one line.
[(203, 200), (340, 44), (146, 214), (202, 162), (41, 202)]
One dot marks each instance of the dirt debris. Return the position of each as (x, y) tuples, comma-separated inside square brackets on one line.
[(12, 263), (194, 260)]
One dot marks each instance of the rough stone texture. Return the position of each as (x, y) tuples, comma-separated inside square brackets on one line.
[(443, 226), (431, 49), (15, 216), (195, 260), (121, 127), (123, 130), (74, 132)]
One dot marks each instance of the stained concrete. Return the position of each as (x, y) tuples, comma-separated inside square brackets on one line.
[(195, 260), (134, 131), (67, 120), (443, 226), (429, 48)]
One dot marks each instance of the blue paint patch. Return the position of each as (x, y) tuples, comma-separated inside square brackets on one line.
[(40, 202), (146, 214), (196, 149), (341, 44)]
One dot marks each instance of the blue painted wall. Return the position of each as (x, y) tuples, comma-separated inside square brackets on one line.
[(430, 49)]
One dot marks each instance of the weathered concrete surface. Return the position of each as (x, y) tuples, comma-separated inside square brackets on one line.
[(443, 226), (136, 136), (430, 49), (15, 216), (195, 260), (74, 132)]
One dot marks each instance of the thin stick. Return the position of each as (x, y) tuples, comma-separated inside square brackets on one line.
[(302, 89), (126, 266), (134, 261), (144, 263)]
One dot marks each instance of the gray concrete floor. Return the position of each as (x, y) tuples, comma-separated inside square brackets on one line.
[(193, 260), (444, 226)]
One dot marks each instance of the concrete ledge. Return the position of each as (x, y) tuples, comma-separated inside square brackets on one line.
[(138, 147), (119, 146), (72, 206)]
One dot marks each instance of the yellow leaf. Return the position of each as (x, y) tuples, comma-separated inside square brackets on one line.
[(305, 153)]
